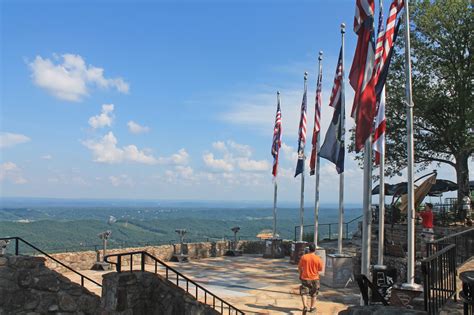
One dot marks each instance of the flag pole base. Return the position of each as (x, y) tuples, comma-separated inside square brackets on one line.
[(412, 286)]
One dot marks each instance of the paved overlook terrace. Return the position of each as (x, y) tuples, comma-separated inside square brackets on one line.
[(264, 286)]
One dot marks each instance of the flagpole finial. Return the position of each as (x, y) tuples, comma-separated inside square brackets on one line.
[(320, 55), (278, 92), (305, 75), (343, 28)]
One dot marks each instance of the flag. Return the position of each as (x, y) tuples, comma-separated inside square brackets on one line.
[(301, 136), (382, 66), (378, 144), (361, 76), (276, 139), (333, 146), (317, 127), (389, 36)]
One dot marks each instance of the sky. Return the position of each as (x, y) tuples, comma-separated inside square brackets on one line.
[(166, 99)]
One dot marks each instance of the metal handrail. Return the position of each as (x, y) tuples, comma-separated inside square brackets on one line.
[(439, 278), (174, 280), (446, 238), (17, 251), (346, 224), (463, 241)]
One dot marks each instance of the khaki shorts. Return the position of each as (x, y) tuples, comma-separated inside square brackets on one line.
[(309, 287)]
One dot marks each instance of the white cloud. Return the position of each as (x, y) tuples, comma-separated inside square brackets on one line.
[(9, 171), (217, 164), (47, 157), (182, 157), (105, 150), (104, 119), (289, 153), (8, 139), (131, 153), (234, 155), (121, 180), (70, 78), (252, 165), (135, 128)]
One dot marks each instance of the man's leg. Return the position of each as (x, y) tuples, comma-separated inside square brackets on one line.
[(303, 292), (314, 294)]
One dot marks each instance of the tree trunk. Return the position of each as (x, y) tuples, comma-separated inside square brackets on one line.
[(462, 175)]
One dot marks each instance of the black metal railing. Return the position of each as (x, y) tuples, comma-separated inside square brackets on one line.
[(328, 229), (19, 240), (464, 242), (197, 291), (439, 278)]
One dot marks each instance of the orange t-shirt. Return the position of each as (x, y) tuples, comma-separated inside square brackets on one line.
[(309, 266)]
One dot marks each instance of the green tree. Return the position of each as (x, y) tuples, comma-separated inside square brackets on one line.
[(441, 53)]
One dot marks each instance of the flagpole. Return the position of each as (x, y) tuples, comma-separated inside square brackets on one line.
[(275, 189), (410, 150), (302, 180), (381, 239), (275, 206), (341, 176), (367, 211), (318, 145)]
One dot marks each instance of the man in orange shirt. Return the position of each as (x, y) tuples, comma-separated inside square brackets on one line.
[(309, 267)]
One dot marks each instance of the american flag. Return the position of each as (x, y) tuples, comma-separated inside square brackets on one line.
[(380, 122), (276, 138), (336, 88), (361, 77), (302, 135), (385, 42), (317, 127)]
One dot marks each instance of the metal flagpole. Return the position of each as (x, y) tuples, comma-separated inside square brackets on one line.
[(318, 145), (275, 207), (341, 176), (410, 149), (275, 190), (367, 211), (302, 180), (381, 239)]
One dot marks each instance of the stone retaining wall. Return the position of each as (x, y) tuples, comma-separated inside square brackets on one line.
[(84, 260), (147, 293), (28, 287)]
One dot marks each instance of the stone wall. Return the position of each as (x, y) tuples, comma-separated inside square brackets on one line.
[(28, 287), (84, 260), (147, 293)]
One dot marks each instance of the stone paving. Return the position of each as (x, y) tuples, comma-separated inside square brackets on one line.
[(263, 286), (253, 284)]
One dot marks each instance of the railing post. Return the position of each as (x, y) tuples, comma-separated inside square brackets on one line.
[(143, 261), (329, 231), (119, 263), (16, 246)]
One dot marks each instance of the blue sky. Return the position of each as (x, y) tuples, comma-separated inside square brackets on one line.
[(164, 100)]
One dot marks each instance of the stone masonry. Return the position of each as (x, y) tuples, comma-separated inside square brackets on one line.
[(84, 260), (148, 294), (27, 286)]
